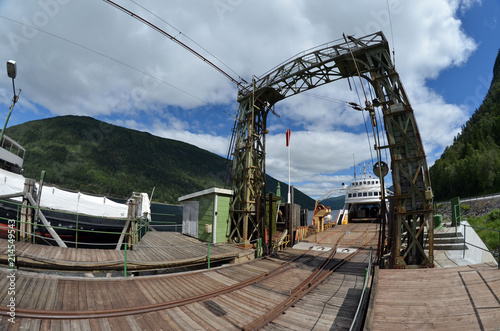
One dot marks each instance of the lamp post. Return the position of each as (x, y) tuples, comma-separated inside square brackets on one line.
[(12, 73), (288, 135)]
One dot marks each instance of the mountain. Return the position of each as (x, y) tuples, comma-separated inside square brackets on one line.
[(84, 154), (471, 165), (334, 203)]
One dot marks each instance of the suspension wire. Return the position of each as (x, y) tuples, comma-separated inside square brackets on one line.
[(204, 59), (169, 36), (375, 132), (357, 69), (392, 34), (364, 120), (379, 120), (377, 114), (322, 97), (186, 36), (368, 104), (378, 136), (115, 60)]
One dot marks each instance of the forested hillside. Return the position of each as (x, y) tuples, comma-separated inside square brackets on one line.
[(471, 166), (82, 153)]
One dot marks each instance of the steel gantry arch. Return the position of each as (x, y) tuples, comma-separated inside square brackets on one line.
[(410, 219)]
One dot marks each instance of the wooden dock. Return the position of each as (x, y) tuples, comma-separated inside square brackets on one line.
[(332, 305), (180, 302), (360, 235), (156, 250), (456, 298)]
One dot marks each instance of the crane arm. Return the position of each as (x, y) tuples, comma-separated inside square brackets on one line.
[(368, 57), (319, 66)]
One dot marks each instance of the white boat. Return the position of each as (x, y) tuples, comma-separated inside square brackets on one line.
[(363, 199), (11, 155), (64, 210)]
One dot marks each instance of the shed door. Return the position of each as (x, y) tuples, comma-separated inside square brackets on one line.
[(190, 218)]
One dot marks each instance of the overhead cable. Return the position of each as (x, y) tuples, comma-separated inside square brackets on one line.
[(112, 59)]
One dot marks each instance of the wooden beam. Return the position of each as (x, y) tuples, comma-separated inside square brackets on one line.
[(49, 228)]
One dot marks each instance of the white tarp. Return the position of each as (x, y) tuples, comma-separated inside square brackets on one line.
[(10, 183), (74, 202)]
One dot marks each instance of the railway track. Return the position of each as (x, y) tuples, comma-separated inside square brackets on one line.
[(246, 296)]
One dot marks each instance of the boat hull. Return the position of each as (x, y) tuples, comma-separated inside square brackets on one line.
[(65, 224)]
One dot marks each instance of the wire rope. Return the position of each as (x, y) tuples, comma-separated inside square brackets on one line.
[(115, 60), (181, 33), (392, 34), (364, 120)]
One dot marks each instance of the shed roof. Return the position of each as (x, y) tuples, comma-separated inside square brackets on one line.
[(213, 190)]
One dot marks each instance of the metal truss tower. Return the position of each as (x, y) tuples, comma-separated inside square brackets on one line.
[(410, 218)]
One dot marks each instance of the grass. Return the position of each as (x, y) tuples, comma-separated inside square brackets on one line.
[(488, 224)]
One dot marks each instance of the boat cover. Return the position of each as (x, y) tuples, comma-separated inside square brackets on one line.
[(74, 202)]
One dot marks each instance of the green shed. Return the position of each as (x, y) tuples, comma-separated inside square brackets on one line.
[(205, 214)]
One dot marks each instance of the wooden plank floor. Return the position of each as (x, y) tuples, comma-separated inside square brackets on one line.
[(455, 298), (361, 234), (156, 250), (229, 311), (332, 305)]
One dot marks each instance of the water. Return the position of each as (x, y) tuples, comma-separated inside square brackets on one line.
[(166, 217)]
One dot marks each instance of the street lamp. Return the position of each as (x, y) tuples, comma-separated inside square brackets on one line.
[(12, 73), (11, 69)]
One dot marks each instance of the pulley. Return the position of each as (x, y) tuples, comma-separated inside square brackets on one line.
[(380, 168)]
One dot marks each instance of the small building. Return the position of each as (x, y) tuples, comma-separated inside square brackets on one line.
[(205, 214)]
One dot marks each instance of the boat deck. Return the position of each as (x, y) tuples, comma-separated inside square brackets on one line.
[(156, 250)]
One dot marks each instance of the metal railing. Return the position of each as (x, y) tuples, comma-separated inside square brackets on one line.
[(495, 254), (75, 229), (359, 316), (481, 197), (165, 222)]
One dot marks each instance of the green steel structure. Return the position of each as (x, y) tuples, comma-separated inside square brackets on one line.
[(410, 226)]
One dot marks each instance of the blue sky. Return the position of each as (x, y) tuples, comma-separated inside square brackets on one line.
[(474, 77), (88, 58)]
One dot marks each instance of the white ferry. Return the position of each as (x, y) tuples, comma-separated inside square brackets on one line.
[(362, 201)]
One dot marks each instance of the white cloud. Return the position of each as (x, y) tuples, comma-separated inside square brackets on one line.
[(98, 61), (465, 5), (314, 154)]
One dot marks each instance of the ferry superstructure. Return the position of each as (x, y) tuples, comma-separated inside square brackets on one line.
[(362, 201)]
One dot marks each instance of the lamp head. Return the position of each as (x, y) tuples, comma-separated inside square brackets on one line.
[(11, 69)]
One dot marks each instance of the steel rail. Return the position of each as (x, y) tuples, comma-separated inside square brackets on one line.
[(318, 270), (298, 293)]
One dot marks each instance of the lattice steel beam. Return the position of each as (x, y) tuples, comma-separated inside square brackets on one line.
[(248, 169), (411, 208)]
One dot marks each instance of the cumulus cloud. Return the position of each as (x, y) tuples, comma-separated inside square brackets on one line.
[(88, 58)]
